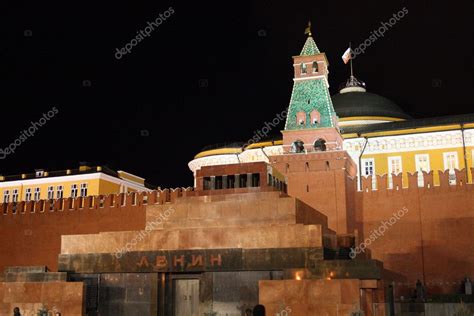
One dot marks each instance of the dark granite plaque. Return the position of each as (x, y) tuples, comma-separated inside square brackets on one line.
[(196, 260)]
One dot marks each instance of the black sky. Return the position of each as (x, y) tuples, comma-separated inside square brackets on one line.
[(212, 72)]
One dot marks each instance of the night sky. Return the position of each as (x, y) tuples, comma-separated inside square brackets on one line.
[(212, 72)]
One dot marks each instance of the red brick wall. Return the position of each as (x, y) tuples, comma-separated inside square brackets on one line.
[(35, 238), (434, 240), (321, 181)]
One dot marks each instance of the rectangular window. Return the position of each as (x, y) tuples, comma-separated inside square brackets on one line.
[(6, 196), (242, 180), (83, 189), (395, 165), (15, 195), (28, 194), (255, 179), (59, 192), (368, 169), (218, 183), (451, 163), (394, 168), (207, 183), (74, 191), (37, 194), (50, 192), (230, 182), (422, 163)]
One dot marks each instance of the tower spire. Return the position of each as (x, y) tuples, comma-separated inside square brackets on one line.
[(308, 29)]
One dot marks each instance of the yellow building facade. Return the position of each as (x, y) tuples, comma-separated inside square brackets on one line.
[(85, 181)]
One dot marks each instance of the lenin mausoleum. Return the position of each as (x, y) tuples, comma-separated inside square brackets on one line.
[(355, 209)]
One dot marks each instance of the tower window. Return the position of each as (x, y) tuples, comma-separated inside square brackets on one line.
[(301, 118), (315, 117), (297, 147), (315, 67), (320, 145), (303, 68)]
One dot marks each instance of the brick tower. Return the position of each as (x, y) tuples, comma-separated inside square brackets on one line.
[(316, 168), (311, 122)]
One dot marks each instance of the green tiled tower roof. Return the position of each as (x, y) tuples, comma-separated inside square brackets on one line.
[(310, 92), (309, 95), (310, 47)]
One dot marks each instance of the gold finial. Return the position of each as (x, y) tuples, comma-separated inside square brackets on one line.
[(308, 29)]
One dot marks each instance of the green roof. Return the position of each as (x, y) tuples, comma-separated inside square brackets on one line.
[(309, 47)]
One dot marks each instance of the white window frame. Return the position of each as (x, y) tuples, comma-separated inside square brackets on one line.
[(74, 190), (390, 160), (364, 167), (37, 195), (59, 192), (6, 196), (364, 170), (50, 192), (83, 192), (28, 194), (446, 161), (420, 169), (15, 195)]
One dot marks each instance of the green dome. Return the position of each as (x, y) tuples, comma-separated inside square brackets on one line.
[(361, 103)]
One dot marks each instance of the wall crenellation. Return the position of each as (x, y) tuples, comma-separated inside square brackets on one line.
[(103, 202), (450, 181)]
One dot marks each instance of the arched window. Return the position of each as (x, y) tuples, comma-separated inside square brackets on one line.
[(297, 147), (315, 117), (301, 118), (303, 68), (320, 145), (315, 67)]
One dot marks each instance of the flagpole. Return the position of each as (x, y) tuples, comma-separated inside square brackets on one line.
[(350, 50)]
